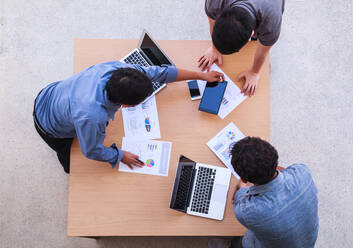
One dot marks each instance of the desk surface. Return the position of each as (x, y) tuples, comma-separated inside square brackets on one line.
[(105, 202)]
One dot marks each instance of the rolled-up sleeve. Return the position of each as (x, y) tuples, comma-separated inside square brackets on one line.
[(91, 135), (162, 74)]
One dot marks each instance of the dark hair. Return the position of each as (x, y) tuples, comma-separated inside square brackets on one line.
[(232, 30), (255, 160), (128, 86)]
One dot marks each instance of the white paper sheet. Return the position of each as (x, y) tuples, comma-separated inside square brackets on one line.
[(141, 121), (232, 96), (155, 154), (223, 142)]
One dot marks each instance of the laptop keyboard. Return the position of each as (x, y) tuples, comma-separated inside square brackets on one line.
[(203, 190), (156, 85), (136, 59), (183, 187)]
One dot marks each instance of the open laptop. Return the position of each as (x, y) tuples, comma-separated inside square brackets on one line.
[(148, 53), (200, 189)]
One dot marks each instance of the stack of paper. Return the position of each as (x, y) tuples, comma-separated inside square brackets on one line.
[(141, 125)]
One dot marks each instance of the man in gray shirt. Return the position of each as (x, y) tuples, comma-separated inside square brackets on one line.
[(233, 23)]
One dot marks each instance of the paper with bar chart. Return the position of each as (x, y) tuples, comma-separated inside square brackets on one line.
[(141, 121), (232, 95), (155, 154), (223, 142)]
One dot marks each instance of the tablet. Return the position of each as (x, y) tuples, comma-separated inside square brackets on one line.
[(212, 97)]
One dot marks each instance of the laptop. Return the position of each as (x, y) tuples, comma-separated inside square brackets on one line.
[(148, 53), (200, 189)]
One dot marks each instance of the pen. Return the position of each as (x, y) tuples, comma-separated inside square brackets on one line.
[(140, 161)]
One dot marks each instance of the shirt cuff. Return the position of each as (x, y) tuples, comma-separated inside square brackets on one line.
[(120, 155), (172, 73)]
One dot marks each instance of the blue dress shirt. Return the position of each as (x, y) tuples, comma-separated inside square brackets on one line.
[(281, 213), (79, 107)]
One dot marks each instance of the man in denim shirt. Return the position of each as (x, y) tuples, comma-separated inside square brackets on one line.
[(281, 208)]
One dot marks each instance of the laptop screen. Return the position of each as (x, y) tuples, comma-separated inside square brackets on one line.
[(153, 52)]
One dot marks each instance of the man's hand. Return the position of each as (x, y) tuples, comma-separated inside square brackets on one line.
[(131, 159), (251, 80), (240, 185), (213, 76), (209, 57)]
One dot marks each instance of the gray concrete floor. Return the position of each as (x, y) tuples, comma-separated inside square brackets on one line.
[(311, 105)]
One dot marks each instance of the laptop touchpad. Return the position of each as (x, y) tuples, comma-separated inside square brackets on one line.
[(219, 193)]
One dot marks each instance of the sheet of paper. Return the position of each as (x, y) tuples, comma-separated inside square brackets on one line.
[(223, 142), (155, 154), (141, 121), (232, 96)]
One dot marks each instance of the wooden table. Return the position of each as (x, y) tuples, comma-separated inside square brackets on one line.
[(105, 202)]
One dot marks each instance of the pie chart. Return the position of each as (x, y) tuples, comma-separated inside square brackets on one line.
[(150, 163), (230, 135)]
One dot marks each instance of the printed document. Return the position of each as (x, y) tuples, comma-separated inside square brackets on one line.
[(155, 154), (223, 142), (141, 121)]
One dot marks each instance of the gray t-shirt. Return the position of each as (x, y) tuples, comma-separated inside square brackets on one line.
[(267, 13)]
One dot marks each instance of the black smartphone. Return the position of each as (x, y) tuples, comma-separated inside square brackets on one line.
[(194, 90), (212, 97)]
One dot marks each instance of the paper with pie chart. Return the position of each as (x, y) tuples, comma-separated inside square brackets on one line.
[(141, 121), (155, 154), (223, 142)]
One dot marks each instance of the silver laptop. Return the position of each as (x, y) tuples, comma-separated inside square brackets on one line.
[(200, 189), (148, 53)]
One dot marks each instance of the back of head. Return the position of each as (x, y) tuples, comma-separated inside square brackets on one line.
[(255, 160), (232, 30), (128, 86)]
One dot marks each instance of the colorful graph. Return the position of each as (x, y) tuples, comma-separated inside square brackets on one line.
[(147, 124), (230, 135), (150, 163), (152, 147)]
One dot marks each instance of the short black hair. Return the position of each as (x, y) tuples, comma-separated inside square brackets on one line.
[(254, 159), (128, 86), (232, 30)]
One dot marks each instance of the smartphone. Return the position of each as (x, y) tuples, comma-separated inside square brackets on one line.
[(212, 97), (194, 90)]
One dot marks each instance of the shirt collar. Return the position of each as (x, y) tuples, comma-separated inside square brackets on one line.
[(254, 190), (109, 106)]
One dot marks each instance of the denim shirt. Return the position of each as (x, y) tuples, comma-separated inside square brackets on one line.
[(79, 107), (281, 213)]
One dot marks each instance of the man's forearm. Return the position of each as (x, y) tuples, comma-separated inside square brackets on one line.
[(211, 23), (260, 56), (189, 75)]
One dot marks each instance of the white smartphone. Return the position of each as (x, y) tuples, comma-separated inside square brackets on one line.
[(194, 90)]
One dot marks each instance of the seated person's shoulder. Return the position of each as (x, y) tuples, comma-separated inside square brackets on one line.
[(298, 177), (298, 169)]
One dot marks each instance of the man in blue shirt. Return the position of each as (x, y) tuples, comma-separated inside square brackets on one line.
[(82, 105), (280, 209)]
